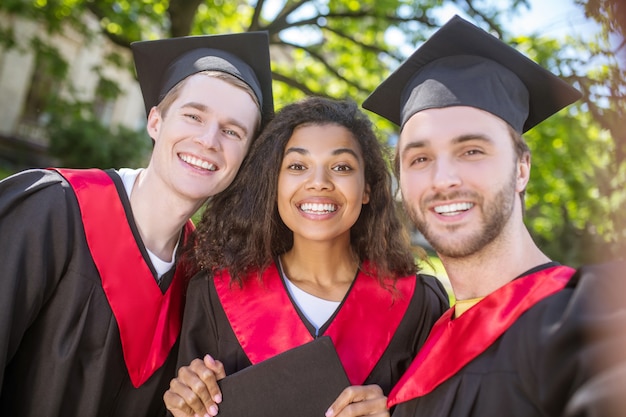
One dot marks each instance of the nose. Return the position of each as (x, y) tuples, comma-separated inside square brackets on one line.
[(208, 135), (319, 179), (445, 175)]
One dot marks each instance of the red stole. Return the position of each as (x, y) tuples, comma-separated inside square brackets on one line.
[(149, 321), (266, 323), (452, 344)]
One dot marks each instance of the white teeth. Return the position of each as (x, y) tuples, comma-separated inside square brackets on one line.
[(318, 208), (452, 209), (198, 162)]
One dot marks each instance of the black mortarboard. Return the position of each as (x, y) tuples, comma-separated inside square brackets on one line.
[(462, 65), (161, 64), (303, 382)]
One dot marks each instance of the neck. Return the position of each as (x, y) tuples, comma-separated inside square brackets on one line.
[(159, 222), (504, 259), (321, 269)]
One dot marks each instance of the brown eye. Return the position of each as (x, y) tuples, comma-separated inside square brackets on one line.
[(342, 168), (296, 167)]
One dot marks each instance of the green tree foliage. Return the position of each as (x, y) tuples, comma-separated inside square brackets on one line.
[(577, 179), (329, 47), (344, 48), (79, 140), (605, 99)]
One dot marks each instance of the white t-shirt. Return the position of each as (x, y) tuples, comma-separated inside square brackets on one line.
[(316, 310)]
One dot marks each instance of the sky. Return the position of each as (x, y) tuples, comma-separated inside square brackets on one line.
[(555, 18), (552, 18)]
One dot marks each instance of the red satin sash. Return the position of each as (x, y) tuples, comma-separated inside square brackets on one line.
[(452, 344), (266, 323), (149, 321)]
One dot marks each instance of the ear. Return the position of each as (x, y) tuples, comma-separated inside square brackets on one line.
[(523, 172), (154, 123), (366, 194)]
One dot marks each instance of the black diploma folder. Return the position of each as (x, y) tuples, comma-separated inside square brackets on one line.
[(301, 382)]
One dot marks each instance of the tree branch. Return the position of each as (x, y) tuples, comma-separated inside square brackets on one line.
[(472, 11), (100, 15), (293, 83), (182, 13), (326, 64), (373, 48), (255, 22), (280, 21)]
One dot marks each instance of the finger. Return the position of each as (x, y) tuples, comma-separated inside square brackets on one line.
[(194, 384), (218, 372), (370, 407), (216, 366), (358, 394), (177, 405), (192, 399)]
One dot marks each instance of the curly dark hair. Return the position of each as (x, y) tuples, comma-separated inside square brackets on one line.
[(242, 231)]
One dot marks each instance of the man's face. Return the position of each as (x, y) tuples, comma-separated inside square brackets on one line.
[(459, 178), (202, 139)]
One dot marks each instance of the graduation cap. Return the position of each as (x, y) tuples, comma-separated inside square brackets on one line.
[(161, 64), (462, 65)]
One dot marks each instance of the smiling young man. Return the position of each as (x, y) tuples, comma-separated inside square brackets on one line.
[(93, 282), (527, 336)]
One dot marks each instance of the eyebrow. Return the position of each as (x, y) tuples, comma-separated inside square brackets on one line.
[(203, 108), (416, 144), (473, 136), (337, 151)]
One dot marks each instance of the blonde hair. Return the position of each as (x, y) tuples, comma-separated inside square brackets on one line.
[(174, 92)]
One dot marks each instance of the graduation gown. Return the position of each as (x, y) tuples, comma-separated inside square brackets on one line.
[(549, 361), (61, 351), (375, 341)]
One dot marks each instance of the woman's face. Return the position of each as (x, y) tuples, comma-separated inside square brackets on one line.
[(321, 184)]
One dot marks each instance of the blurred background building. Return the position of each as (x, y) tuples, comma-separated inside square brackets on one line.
[(28, 81)]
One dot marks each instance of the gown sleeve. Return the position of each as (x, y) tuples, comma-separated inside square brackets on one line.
[(37, 208), (598, 367), (198, 333), (576, 357)]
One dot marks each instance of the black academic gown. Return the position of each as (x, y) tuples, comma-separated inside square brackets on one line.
[(559, 358), (60, 349), (206, 327)]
